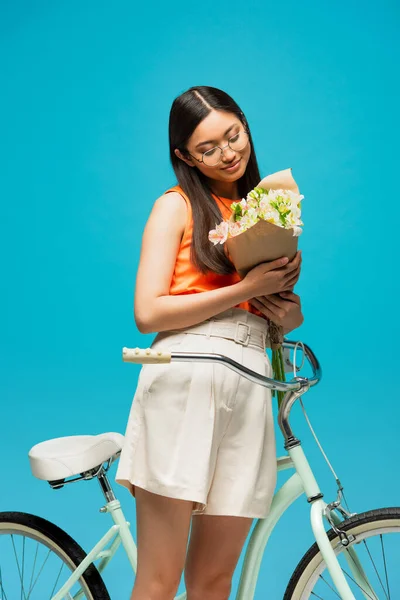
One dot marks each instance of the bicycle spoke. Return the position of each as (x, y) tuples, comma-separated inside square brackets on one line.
[(384, 562), (19, 570), (3, 593), (23, 565), (362, 589), (36, 560), (358, 585), (354, 581), (58, 577), (376, 570), (41, 569), (332, 588), (33, 570), (369, 563)]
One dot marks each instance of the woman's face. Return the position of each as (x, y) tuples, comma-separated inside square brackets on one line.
[(215, 130)]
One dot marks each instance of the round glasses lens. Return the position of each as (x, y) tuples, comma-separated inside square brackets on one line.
[(212, 157), (239, 141)]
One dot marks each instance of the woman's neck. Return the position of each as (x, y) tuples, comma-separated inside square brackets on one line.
[(225, 189)]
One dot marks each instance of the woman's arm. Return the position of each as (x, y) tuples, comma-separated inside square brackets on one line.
[(154, 309)]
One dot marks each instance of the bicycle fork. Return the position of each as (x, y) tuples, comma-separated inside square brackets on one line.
[(318, 512)]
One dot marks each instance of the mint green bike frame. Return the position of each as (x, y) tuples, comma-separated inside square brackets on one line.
[(301, 482)]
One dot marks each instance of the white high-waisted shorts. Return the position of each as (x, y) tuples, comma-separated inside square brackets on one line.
[(201, 432)]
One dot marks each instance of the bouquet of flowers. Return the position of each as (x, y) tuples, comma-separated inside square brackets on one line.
[(264, 226)]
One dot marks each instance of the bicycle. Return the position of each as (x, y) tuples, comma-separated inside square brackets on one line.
[(332, 561)]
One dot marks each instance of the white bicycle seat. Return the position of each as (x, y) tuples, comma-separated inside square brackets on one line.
[(66, 456)]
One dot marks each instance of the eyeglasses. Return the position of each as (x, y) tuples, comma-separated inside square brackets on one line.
[(213, 156)]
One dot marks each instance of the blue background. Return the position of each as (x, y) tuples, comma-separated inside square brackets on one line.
[(86, 93)]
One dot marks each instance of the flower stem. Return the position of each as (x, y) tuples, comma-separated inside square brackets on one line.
[(278, 368)]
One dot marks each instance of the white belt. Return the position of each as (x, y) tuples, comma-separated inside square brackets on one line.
[(240, 332)]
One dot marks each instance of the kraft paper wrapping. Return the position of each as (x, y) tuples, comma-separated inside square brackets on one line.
[(264, 241)]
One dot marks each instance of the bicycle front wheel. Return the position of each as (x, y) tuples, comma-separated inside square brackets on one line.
[(371, 562), (37, 557)]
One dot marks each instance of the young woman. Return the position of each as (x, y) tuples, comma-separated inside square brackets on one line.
[(200, 439)]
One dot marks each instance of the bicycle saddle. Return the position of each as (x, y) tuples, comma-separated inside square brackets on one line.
[(62, 457)]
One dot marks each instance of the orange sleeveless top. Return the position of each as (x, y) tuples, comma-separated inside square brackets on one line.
[(186, 278)]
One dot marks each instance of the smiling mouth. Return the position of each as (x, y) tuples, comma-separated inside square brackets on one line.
[(232, 165)]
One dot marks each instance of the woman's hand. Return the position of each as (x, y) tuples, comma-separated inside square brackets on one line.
[(273, 277), (284, 309)]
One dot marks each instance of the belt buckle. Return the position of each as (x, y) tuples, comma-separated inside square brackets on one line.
[(238, 340)]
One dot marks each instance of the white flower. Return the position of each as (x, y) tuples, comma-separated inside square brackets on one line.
[(297, 231), (271, 215), (219, 235), (234, 229), (279, 207)]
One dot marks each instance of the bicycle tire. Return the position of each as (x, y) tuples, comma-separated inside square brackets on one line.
[(59, 542), (312, 560)]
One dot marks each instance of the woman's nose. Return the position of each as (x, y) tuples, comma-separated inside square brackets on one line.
[(228, 153)]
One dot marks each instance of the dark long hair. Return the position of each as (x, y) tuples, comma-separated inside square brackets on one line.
[(187, 111)]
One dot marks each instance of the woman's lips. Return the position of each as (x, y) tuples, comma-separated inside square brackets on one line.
[(232, 167)]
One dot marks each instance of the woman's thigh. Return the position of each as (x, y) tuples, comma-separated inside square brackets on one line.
[(162, 533), (214, 549)]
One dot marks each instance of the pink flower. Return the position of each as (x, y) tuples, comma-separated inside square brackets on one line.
[(219, 235)]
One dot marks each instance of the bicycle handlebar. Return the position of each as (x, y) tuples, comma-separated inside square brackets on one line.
[(149, 356)]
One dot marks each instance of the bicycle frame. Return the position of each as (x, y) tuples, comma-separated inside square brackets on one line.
[(302, 481), (120, 533)]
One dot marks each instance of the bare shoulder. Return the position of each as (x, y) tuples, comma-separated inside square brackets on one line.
[(171, 201), (160, 245), (169, 211)]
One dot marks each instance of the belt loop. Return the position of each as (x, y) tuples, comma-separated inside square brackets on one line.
[(244, 341), (264, 339)]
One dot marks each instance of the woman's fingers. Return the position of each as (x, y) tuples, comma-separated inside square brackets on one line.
[(291, 296), (296, 261), (292, 269), (291, 279), (292, 266), (290, 285), (284, 312), (262, 308), (278, 310), (273, 299)]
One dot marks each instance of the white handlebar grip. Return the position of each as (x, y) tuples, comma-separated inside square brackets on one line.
[(147, 356)]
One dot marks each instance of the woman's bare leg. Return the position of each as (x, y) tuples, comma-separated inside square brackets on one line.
[(162, 533), (214, 550)]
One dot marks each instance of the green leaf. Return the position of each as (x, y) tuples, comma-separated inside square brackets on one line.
[(237, 212)]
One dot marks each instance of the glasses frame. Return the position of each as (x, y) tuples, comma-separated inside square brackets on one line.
[(222, 148)]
